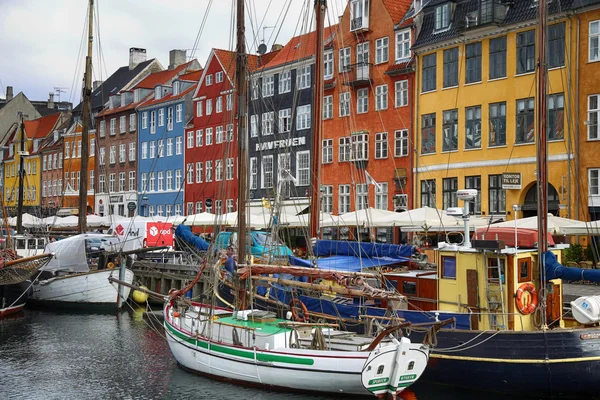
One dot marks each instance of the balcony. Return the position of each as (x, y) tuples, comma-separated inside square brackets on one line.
[(359, 24), (358, 74), (490, 12)]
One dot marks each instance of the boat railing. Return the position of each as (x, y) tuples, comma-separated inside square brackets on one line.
[(500, 314)]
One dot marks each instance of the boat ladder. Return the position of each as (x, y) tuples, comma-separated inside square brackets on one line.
[(495, 274)]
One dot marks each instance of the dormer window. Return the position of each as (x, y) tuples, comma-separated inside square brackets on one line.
[(36, 145), (359, 15), (136, 95), (176, 85), (442, 16), (157, 92)]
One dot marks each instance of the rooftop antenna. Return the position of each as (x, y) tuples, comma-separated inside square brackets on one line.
[(262, 48), (59, 90)]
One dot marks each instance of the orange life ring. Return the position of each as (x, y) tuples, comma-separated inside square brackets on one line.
[(294, 305), (530, 307)]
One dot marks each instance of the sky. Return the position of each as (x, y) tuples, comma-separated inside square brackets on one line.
[(41, 40)]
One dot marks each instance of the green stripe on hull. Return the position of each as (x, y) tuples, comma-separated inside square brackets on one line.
[(239, 352), (389, 387)]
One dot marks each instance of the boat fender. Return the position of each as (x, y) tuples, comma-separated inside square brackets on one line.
[(295, 304), (530, 307)]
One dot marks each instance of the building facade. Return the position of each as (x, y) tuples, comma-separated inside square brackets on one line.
[(52, 173)]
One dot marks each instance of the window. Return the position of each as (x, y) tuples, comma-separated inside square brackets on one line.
[(229, 133), (111, 183), (254, 126), (285, 82), (362, 196), (178, 145), (161, 148), (102, 184), (229, 169), (448, 267), (327, 156), (496, 195), (198, 207), (113, 154), (152, 149), (153, 122), (169, 147), (113, 126), (67, 149), (524, 269), (473, 63), (218, 170), (593, 116), (304, 77), (525, 121), (360, 147), (327, 199), (132, 151), (526, 52), (303, 168), (209, 80), (190, 139), (498, 57), (132, 119), (403, 45), (593, 179), (345, 149), (442, 16), (131, 180), (92, 150), (219, 134), (199, 108), (219, 77), (170, 118), (474, 182), (344, 199), (253, 173), (179, 113), (102, 155), (267, 171), (209, 106), (362, 101), (218, 207), (209, 136), (268, 86), (328, 64), (429, 76), (450, 130), (473, 127), (177, 209), (451, 67), (144, 181), (362, 55), (151, 211), (229, 205), (594, 41), (121, 182), (381, 50), (189, 210), (199, 172), (255, 89), (344, 59), (161, 117), (103, 128), (267, 123), (344, 104), (401, 143), (159, 209), (556, 116), (229, 102), (428, 193), (381, 145), (498, 124), (401, 93), (428, 133), (381, 196), (359, 14), (449, 196), (303, 117), (556, 45), (161, 181), (327, 107), (381, 97)]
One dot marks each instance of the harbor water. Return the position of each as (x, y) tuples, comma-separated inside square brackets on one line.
[(51, 355)]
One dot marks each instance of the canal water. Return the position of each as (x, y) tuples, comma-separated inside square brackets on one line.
[(51, 355)]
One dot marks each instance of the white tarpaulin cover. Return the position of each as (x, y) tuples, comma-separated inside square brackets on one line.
[(70, 253)]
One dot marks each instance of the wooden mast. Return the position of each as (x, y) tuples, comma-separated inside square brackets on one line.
[(87, 93), (542, 148), (315, 199), (242, 116), (21, 175)]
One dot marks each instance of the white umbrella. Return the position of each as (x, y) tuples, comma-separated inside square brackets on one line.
[(582, 228), (29, 221), (556, 225), (424, 218), (96, 221), (200, 219), (371, 217), (303, 220)]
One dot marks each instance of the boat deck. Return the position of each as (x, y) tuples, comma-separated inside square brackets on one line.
[(269, 328)]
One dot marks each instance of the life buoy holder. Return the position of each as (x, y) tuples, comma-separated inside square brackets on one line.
[(295, 305), (529, 307)]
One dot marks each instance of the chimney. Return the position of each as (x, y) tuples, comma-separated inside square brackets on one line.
[(136, 56), (176, 58), (9, 93), (51, 100), (96, 84), (276, 47)]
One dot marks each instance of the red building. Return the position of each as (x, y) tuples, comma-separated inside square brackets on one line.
[(366, 150)]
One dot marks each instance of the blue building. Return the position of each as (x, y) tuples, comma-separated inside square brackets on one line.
[(161, 165)]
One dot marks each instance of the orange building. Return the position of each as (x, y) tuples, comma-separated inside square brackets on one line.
[(72, 171)]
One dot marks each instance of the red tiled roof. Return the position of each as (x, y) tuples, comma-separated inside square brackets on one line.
[(227, 59), (397, 8), (299, 47), (169, 97), (161, 77), (41, 127), (399, 66), (192, 75)]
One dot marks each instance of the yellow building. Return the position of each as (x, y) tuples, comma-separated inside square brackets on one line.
[(34, 133), (475, 107)]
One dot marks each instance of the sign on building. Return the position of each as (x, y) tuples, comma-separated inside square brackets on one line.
[(512, 180)]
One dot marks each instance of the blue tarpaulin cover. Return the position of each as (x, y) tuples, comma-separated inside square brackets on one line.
[(555, 270), (185, 233), (354, 256)]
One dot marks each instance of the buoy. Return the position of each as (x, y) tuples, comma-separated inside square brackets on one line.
[(140, 297)]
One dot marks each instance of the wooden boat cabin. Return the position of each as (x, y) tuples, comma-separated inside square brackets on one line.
[(419, 287)]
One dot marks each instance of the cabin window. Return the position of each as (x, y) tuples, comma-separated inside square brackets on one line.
[(20, 243), (449, 267), (493, 270), (411, 366), (31, 244), (380, 369), (524, 269), (409, 287)]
